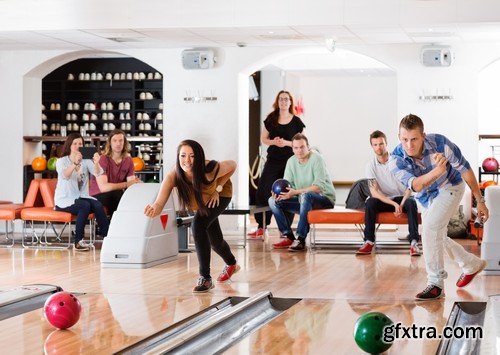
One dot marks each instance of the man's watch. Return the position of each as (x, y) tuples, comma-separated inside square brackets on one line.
[(481, 200), (219, 188)]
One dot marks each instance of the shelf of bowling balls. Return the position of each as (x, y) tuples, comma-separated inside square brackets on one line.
[(99, 110), (81, 85), (149, 169), (36, 139), (90, 90), (113, 81), (53, 120)]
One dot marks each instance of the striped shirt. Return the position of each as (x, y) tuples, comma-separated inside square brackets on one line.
[(406, 168)]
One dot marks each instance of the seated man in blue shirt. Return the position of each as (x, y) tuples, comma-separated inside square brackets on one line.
[(311, 188), (433, 167)]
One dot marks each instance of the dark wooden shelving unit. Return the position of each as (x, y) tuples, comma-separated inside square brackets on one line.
[(59, 94)]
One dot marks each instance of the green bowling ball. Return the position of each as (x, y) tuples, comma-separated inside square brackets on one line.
[(51, 164), (152, 180), (369, 332)]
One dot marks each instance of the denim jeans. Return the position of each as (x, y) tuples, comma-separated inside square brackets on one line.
[(82, 208), (307, 202), (374, 206), (435, 219)]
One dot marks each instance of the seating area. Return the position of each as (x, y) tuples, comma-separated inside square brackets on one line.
[(348, 216), (9, 212), (38, 208)]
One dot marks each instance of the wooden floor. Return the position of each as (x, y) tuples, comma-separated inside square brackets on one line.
[(122, 306)]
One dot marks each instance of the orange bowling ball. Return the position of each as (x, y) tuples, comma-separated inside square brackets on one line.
[(39, 164), (485, 184), (138, 163)]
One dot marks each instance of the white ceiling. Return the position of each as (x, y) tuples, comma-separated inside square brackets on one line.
[(124, 24), (115, 39)]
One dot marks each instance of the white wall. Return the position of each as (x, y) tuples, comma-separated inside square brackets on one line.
[(341, 112), (220, 127), (272, 81), (489, 112), (292, 84)]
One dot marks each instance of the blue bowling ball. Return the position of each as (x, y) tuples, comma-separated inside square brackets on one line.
[(280, 185)]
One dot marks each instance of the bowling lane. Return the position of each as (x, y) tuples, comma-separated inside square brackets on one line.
[(108, 323), (315, 326)]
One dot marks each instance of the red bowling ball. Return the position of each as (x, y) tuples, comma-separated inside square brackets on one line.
[(490, 165), (62, 310)]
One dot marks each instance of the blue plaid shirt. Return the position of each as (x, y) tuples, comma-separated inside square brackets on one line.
[(406, 168)]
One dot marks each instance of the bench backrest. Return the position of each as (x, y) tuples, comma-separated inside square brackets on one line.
[(33, 196), (48, 190)]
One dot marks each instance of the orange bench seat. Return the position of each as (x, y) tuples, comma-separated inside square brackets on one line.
[(348, 216), (46, 214), (11, 211)]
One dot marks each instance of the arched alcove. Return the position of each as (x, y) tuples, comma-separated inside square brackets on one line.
[(95, 93), (346, 95)]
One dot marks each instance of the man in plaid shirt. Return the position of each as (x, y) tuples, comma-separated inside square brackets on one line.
[(434, 169)]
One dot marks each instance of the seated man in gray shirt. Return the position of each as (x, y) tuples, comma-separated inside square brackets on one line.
[(387, 194)]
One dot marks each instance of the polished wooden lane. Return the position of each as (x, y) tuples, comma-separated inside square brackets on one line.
[(108, 323), (326, 327), (121, 306)]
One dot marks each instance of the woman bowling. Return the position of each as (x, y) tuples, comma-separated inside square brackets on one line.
[(205, 188)]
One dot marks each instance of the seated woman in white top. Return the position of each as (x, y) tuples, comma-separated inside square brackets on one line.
[(72, 190)]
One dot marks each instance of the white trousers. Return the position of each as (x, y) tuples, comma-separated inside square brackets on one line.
[(435, 219)]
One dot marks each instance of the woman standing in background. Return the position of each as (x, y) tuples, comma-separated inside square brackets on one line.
[(279, 128)]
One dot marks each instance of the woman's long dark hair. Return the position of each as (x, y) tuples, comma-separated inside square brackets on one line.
[(66, 150), (275, 114), (184, 187)]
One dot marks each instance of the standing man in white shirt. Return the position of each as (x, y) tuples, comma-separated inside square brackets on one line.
[(387, 195)]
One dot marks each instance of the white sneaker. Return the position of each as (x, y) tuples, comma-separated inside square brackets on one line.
[(81, 246)]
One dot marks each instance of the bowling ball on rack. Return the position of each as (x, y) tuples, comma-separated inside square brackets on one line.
[(51, 164), (490, 165), (39, 164), (153, 180), (280, 185), (138, 163), (485, 184), (62, 310), (369, 332)]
